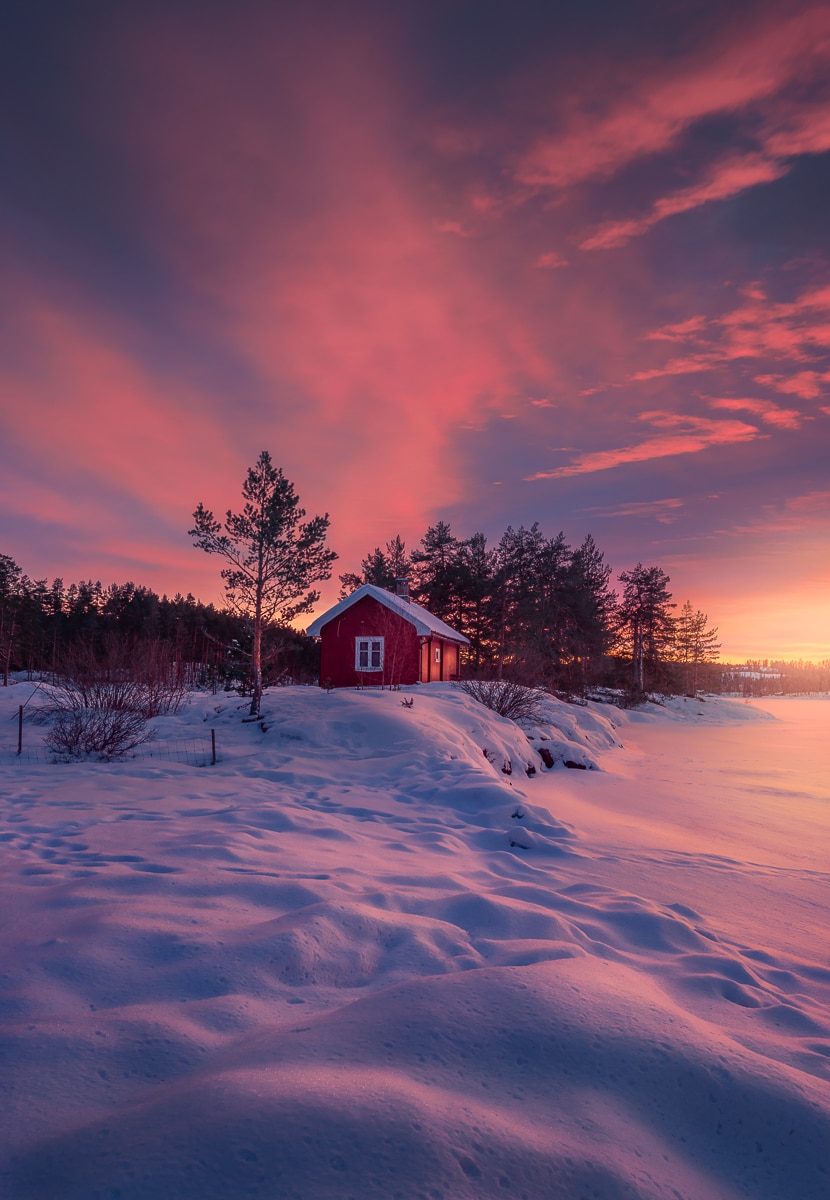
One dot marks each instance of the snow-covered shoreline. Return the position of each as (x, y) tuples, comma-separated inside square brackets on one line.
[(357, 957)]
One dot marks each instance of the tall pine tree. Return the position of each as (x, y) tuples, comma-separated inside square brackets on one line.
[(273, 558), (644, 620)]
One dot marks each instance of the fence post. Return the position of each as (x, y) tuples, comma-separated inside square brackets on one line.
[(213, 747), (20, 730)]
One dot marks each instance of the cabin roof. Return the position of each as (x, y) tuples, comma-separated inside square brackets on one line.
[(425, 623)]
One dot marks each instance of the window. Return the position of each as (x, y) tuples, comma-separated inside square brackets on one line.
[(437, 654), (368, 654)]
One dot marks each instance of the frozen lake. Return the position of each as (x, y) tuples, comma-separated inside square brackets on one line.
[(734, 818)]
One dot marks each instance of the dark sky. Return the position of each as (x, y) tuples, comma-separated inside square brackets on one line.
[(492, 263)]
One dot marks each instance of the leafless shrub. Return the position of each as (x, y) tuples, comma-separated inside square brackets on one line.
[(143, 677), (103, 733), (162, 678), (100, 702), (508, 699)]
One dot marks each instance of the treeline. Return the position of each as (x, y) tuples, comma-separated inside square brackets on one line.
[(536, 610), (45, 625), (540, 611), (765, 677)]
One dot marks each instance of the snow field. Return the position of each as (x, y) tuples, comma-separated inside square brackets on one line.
[(356, 958)]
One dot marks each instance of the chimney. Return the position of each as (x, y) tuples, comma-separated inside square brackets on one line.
[(402, 587)]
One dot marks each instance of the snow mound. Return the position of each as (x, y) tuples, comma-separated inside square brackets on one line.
[(362, 957)]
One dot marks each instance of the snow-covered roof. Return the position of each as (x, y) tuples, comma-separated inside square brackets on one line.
[(425, 623)]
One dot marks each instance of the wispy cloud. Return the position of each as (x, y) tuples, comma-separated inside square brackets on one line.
[(664, 511), (685, 435), (789, 133), (679, 332), (551, 261), (686, 365), (454, 227), (765, 78), (751, 67), (757, 328), (809, 512), (808, 385), (769, 413), (724, 179), (790, 330)]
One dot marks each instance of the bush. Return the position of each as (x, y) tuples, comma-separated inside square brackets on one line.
[(100, 703), (103, 733), (508, 699)]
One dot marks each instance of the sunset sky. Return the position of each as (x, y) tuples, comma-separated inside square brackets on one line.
[(491, 263)]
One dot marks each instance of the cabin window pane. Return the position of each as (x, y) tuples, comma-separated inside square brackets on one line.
[(368, 654), (437, 654)]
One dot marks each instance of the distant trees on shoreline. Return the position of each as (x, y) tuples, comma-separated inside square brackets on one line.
[(771, 677)]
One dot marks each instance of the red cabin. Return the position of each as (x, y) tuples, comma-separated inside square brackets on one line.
[(376, 639)]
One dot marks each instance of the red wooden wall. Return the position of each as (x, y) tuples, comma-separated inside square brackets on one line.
[(368, 618), (406, 660)]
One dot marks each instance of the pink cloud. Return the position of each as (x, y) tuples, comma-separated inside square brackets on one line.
[(805, 384), (677, 366), (813, 502), (657, 104), (770, 414), (93, 409), (454, 227), (761, 327), (110, 458), (551, 261), (664, 511), (757, 328), (808, 513), (801, 130), (689, 435), (678, 332), (378, 335), (726, 178)]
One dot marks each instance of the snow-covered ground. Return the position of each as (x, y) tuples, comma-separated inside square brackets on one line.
[(357, 959)]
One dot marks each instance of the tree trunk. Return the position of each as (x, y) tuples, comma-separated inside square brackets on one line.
[(637, 659), (8, 654), (256, 668)]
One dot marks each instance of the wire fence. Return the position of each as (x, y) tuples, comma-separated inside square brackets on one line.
[(194, 752)]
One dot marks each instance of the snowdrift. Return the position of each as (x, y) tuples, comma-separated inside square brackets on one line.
[(367, 954)]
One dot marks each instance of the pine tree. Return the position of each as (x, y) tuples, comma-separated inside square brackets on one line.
[(435, 566), (380, 568), (474, 608), (273, 558), (400, 563), (590, 608), (527, 602), (694, 644), (644, 619), (13, 590)]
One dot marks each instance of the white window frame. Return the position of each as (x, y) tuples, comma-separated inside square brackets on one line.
[(373, 648)]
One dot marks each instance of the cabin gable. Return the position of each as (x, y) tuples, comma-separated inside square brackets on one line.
[(373, 638), (368, 645)]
